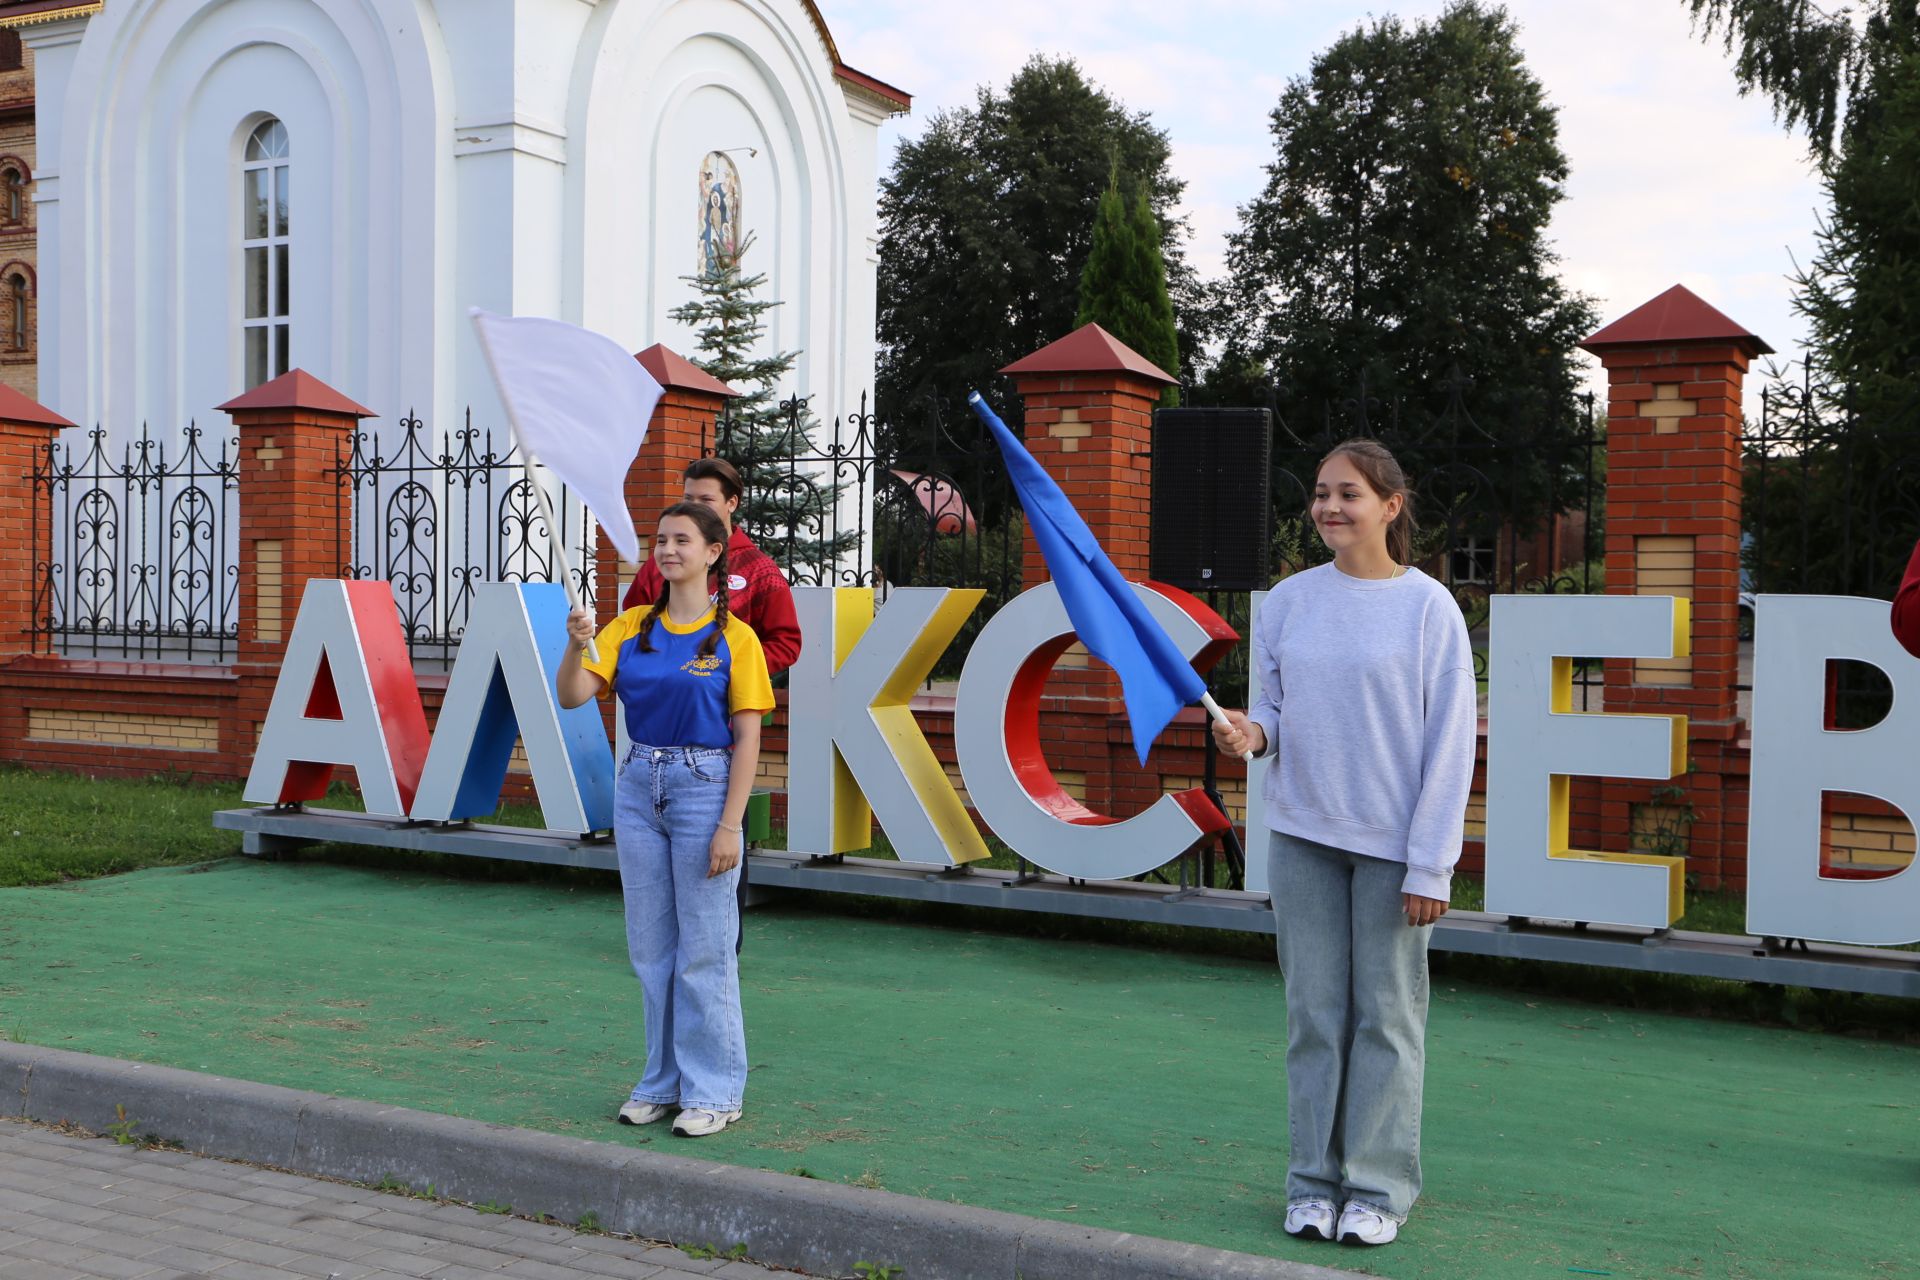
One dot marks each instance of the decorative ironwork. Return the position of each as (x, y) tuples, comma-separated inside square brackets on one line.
[(438, 518), (1516, 508), (143, 564), (1830, 504)]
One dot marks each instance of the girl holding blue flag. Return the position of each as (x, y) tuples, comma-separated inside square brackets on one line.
[(692, 682), (1368, 705)]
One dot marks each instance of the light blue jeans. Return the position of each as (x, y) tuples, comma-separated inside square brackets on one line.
[(681, 925), (1356, 1025)]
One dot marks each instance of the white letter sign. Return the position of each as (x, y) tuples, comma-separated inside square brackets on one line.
[(996, 731), (1542, 743), (1796, 758)]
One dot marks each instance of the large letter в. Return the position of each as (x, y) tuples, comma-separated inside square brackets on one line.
[(1537, 743), (851, 736), (1796, 758), (501, 689), (996, 730), (346, 695)]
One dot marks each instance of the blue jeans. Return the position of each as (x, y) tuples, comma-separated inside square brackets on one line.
[(681, 925), (1356, 1025)]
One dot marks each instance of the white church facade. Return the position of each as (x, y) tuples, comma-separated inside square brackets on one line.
[(227, 189)]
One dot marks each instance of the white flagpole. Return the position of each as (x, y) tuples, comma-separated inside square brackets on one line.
[(1220, 717), (560, 557)]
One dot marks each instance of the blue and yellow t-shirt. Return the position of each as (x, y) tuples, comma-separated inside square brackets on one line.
[(673, 697)]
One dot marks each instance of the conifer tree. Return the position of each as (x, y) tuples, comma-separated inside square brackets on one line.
[(1123, 287), (787, 507)]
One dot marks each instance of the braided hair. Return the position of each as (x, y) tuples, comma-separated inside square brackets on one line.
[(714, 530)]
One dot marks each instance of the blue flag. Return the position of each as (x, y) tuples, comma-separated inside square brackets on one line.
[(1110, 619)]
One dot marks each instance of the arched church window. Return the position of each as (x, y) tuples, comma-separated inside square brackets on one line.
[(17, 305), (265, 243), (16, 197)]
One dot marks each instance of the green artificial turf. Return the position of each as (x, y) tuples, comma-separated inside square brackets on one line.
[(1127, 1088)]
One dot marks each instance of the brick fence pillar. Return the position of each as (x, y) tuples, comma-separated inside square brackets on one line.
[(681, 430), (296, 523), (26, 519), (1674, 372), (1089, 401), (26, 530)]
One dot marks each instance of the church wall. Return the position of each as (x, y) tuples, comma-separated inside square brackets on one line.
[(19, 355), (148, 258)]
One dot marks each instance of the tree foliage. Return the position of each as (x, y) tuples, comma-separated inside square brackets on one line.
[(1838, 510), (1123, 287), (1401, 235), (986, 222), (786, 504)]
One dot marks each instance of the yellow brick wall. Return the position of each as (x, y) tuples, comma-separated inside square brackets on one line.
[(178, 733), (1657, 828), (1866, 840), (1663, 566)]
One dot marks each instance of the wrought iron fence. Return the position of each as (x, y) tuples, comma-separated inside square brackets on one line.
[(1502, 508), (438, 517), (1830, 504), (856, 501), (143, 563)]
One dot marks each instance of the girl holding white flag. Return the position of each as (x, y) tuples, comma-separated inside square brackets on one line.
[(692, 683), (1368, 702)]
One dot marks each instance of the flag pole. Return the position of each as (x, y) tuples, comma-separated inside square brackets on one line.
[(560, 557), (1220, 717)]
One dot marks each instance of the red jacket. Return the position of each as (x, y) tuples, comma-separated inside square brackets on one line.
[(1906, 607), (757, 594)]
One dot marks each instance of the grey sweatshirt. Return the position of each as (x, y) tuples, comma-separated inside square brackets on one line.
[(1368, 702)]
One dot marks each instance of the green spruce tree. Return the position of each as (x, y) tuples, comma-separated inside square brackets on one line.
[(788, 508), (1123, 287)]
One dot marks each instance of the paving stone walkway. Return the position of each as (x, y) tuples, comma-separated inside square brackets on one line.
[(85, 1207)]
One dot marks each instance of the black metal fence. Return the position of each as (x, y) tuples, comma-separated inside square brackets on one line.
[(1503, 507), (1831, 504), (143, 564), (437, 517)]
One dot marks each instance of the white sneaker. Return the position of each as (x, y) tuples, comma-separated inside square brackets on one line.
[(1362, 1225), (644, 1112), (698, 1122), (1310, 1220)]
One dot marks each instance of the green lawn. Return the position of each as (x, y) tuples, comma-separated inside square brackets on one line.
[(57, 827)]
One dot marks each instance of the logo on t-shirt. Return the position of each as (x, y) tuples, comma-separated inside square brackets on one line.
[(699, 666)]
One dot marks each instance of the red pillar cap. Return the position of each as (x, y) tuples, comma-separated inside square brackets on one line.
[(671, 369), (1678, 315), (15, 407), (297, 389), (1090, 349)]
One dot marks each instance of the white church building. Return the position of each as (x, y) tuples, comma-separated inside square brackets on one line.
[(227, 189)]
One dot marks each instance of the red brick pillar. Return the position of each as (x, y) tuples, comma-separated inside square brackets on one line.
[(1674, 372), (26, 524), (682, 429), (1089, 401), (296, 523)]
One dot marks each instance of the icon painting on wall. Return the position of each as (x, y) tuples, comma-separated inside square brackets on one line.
[(719, 212)]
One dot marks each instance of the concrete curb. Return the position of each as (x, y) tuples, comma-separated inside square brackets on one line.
[(820, 1227)]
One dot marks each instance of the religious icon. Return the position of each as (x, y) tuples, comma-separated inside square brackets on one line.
[(719, 212)]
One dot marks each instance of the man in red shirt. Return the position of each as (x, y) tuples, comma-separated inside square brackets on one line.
[(1906, 607), (757, 592)]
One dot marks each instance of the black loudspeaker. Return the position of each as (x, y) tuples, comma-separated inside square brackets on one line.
[(1212, 513)]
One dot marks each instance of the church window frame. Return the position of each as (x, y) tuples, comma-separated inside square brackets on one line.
[(266, 252)]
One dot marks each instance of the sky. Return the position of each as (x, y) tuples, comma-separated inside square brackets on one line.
[(1675, 178)]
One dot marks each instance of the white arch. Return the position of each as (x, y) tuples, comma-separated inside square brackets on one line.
[(639, 62), (128, 342)]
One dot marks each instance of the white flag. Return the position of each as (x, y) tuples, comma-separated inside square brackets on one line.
[(579, 403)]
